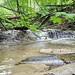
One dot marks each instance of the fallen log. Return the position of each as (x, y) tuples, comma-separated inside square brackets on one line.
[(57, 51)]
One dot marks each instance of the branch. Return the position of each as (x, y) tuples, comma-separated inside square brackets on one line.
[(8, 21), (12, 17), (17, 3), (2, 24), (11, 9), (58, 5), (39, 6)]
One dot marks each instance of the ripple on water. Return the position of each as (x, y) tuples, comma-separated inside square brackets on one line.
[(5, 69), (8, 60), (6, 73)]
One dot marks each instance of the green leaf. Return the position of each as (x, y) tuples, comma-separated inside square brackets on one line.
[(43, 1), (34, 14), (52, 1), (60, 13), (66, 17), (71, 16), (33, 28), (56, 19)]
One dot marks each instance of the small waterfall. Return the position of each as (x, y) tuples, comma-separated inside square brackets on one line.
[(14, 36), (61, 34), (55, 34)]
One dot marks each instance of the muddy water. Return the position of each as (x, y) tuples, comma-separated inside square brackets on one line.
[(10, 55)]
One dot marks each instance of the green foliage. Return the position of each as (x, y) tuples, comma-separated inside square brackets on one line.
[(53, 1), (66, 15), (70, 16), (4, 11), (26, 10), (7, 25), (57, 14), (56, 19), (25, 13), (33, 28)]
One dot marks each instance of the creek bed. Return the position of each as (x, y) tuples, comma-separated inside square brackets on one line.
[(9, 55)]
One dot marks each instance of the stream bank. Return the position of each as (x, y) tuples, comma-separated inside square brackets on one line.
[(14, 37)]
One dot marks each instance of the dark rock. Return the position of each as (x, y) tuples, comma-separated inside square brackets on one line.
[(2, 36), (20, 28), (48, 60)]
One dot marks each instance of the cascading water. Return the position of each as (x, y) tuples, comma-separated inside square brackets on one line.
[(61, 34), (53, 35), (56, 34)]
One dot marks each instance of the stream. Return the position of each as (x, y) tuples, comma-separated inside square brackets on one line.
[(11, 54)]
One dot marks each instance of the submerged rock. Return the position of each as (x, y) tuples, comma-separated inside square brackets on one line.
[(55, 60), (67, 58), (48, 60)]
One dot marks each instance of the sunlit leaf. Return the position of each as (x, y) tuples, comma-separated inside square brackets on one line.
[(71, 16), (60, 13), (33, 28), (56, 19), (52, 1)]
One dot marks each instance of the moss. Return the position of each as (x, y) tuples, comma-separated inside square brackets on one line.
[(67, 57)]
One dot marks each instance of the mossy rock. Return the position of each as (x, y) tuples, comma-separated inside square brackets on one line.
[(67, 57)]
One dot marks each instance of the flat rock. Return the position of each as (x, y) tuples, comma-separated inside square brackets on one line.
[(57, 51), (26, 69), (68, 69), (62, 70)]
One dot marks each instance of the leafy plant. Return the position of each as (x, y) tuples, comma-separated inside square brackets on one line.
[(56, 19), (26, 11)]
